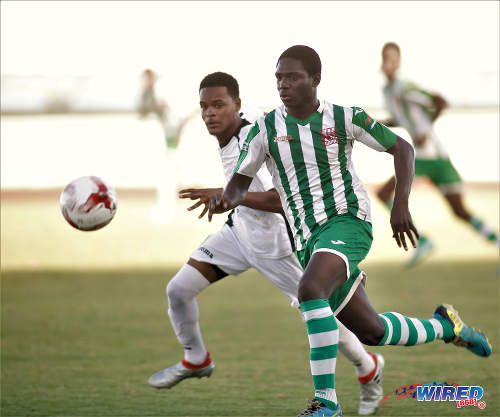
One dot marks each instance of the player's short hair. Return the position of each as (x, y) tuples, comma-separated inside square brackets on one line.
[(306, 55), (388, 45), (221, 79)]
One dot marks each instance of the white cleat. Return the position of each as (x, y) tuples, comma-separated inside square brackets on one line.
[(372, 391), (424, 249), (169, 377)]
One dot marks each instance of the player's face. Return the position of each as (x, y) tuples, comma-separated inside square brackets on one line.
[(295, 85), (390, 62), (219, 110)]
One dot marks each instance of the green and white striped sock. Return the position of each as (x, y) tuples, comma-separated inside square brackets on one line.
[(484, 229), (408, 331), (323, 339)]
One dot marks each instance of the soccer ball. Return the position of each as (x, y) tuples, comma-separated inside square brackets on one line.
[(88, 203)]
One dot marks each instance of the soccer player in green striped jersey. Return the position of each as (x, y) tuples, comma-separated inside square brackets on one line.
[(307, 145), (255, 235), (416, 110)]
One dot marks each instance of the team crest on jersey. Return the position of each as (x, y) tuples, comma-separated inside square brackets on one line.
[(329, 136)]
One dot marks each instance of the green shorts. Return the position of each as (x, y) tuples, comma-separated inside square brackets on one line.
[(351, 239), (441, 172)]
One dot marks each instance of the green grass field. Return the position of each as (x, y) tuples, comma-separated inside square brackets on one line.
[(84, 344), (83, 340)]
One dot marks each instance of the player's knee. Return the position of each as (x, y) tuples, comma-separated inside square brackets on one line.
[(185, 285), (308, 291), (174, 291)]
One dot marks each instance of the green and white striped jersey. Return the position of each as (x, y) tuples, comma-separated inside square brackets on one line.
[(310, 162), (412, 108)]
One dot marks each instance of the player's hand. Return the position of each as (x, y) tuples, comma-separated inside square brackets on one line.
[(217, 205), (402, 224), (203, 195)]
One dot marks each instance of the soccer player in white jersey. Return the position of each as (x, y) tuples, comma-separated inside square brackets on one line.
[(255, 235), (307, 146), (416, 110)]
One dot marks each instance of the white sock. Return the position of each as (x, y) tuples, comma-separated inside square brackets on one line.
[(353, 350), (183, 311)]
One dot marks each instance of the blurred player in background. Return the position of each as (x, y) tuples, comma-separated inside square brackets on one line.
[(164, 210), (149, 102), (307, 146), (255, 235), (416, 110)]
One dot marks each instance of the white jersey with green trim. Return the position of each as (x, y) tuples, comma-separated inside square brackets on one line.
[(310, 162), (262, 232), (412, 108)]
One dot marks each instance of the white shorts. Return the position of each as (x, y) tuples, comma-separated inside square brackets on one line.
[(225, 250)]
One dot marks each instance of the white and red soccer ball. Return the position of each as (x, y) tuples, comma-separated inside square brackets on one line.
[(88, 203)]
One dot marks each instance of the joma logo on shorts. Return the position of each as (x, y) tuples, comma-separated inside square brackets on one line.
[(206, 251)]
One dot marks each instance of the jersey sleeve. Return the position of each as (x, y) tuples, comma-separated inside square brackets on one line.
[(252, 153), (420, 107), (370, 132), (264, 178), (416, 95)]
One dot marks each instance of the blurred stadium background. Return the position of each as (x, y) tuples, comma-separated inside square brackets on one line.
[(84, 319)]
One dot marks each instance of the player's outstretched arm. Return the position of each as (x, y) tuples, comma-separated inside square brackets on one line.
[(259, 200), (203, 195), (401, 221), (264, 200), (234, 194)]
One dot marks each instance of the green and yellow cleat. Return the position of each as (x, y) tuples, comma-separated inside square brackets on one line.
[(318, 409), (465, 336)]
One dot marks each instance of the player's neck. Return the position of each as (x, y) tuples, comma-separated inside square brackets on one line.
[(391, 78), (304, 110), (224, 137)]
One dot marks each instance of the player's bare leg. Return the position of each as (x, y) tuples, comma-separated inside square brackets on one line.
[(395, 329), (455, 200), (182, 290)]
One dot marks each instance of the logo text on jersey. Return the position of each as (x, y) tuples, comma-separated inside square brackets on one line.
[(338, 242), (287, 138), (329, 136)]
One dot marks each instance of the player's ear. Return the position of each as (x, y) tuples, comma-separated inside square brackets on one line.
[(237, 102), (316, 79)]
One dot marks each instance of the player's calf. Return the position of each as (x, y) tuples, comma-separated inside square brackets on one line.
[(372, 336)]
